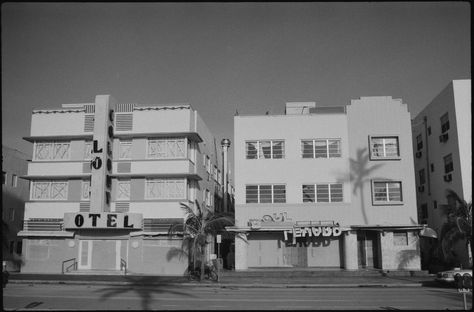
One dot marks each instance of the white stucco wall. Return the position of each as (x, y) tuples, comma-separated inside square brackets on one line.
[(56, 124), (49, 209), (462, 100), (381, 116), (454, 99)]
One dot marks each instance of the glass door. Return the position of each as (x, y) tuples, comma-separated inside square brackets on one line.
[(85, 254)]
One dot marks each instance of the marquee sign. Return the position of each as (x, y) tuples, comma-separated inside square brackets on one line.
[(313, 231), (298, 229), (101, 163), (103, 221)]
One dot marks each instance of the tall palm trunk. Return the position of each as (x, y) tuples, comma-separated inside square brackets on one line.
[(202, 263)]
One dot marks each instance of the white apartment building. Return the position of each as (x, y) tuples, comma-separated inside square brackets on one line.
[(442, 135), (107, 180), (330, 187)]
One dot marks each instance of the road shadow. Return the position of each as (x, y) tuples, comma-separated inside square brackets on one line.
[(145, 287)]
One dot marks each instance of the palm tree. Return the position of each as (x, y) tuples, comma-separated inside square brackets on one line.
[(199, 225), (457, 227)]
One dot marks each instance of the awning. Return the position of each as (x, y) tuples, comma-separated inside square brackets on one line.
[(428, 232), (45, 233)]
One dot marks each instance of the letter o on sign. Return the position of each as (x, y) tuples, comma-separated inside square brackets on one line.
[(96, 163), (79, 220)]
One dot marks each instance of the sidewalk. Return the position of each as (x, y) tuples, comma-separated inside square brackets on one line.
[(234, 279)]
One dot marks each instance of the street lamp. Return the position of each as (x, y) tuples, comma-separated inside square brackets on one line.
[(225, 143)]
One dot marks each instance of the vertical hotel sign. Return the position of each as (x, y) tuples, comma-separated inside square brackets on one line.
[(101, 163)]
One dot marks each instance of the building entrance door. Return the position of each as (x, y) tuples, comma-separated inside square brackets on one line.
[(367, 246), (106, 255), (85, 255)]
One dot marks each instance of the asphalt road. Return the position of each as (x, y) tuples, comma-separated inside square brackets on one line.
[(95, 297)]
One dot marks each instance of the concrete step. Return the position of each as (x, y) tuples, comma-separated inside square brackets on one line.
[(297, 273), (95, 272)]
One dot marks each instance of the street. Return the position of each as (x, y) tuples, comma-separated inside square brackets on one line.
[(133, 297)]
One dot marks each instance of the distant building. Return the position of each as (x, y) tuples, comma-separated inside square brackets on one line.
[(442, 135), (15, 192), (326, 187), (107, 180)]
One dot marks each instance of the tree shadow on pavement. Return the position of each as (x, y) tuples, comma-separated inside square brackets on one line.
[(143, 286)]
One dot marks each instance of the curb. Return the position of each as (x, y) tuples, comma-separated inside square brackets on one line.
[(220, 285)]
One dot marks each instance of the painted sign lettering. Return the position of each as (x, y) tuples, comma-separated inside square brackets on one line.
[(312, 231), (102, 221), (96, 163)]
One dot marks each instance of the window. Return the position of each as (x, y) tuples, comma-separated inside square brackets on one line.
[(265, 193), (419, 142), (14, 180), (435, 204), (444, 123), (207, 198), (424, 211), (208, 164), (429, 130), (432, 167), (51, 150), (214, 173), (400, 238), (19, 246), (165, 189), (322, 193), (448, 163), (168, 148), (125, 149), (192, 151), (321, 148), (49, 190), (387, 192), (4, 177), (268, 149), (86, 190), (12, 214), (88, 150), (421, 176), (123, 190), (384, 148)]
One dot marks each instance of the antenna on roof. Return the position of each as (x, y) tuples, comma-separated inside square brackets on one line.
[(236, 113)]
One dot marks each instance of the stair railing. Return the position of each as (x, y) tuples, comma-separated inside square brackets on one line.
[(74, 265), (123, 265)]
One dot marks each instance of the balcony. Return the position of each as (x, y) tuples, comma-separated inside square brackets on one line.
[(154, 167), (57, 169)]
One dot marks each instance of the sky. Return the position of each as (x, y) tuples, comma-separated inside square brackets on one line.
[(226, 57)]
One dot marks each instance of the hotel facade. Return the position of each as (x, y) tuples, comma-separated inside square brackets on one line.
[(327, 187), (107, 180), (443, 160), (15, 192)]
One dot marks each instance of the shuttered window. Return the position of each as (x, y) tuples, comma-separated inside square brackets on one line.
[(387, 192), (326, 192), (321, 148), (166, 148), (49, 190), (265, 193), (265, 149)]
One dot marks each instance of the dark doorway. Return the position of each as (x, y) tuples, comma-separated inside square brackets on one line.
[(368, 249)]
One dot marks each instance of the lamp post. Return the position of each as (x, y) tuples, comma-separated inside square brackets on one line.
[(225, 143)]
